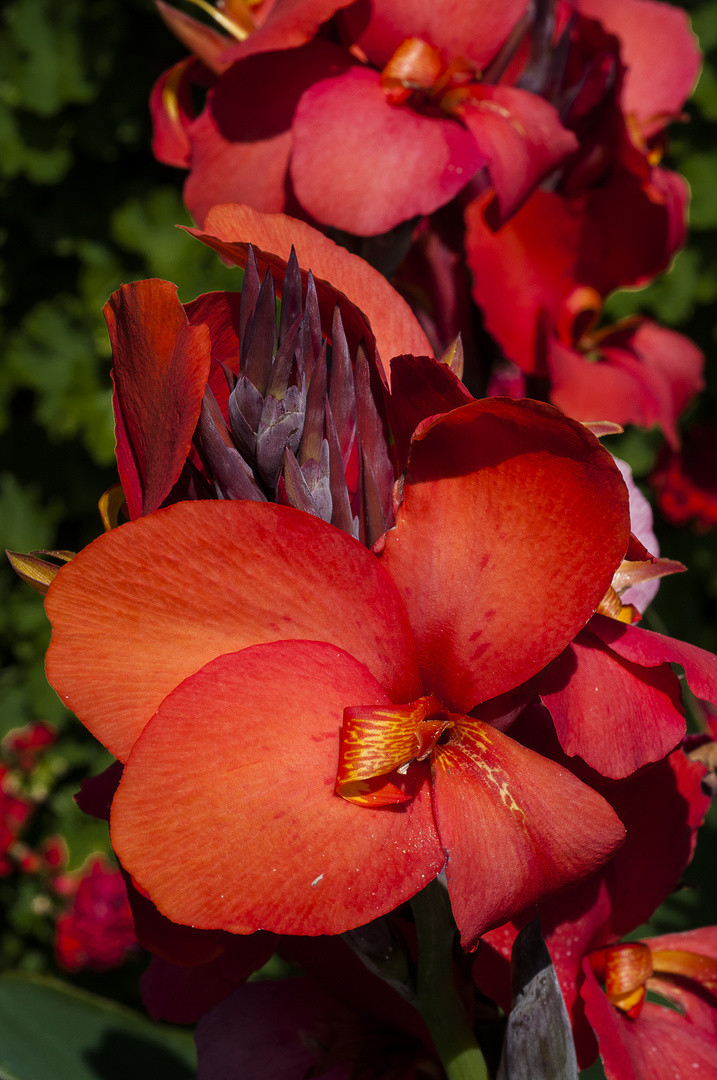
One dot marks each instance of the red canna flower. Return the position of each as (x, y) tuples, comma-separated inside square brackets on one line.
[(387, 114), (610, 218), (662, 808), (277, 690)]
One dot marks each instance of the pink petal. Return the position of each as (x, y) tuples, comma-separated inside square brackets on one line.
[(230, 230), (288, 24), (522, 139), (242, 758), (161, 364), (241, 154), (617, 716), (415, 164), (515, 822), (513, 517), (654, 93), (475, 32), (150, 603)]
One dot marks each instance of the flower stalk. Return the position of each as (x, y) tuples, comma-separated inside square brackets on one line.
[(438, 998)]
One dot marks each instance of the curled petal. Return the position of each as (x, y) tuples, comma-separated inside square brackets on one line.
[(650, 650), (522, 139), (259, 781), (515, 825), (161, 365)]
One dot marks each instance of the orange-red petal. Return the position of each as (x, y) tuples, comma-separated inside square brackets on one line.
[(227, 816), (513, 522), (230, 229), (516, 827), (151, 602)]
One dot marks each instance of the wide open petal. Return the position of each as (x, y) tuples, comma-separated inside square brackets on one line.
[(513, 522), (616, 715), (161, 365), (226, 813), (150, 603), (516, 827), (650, 649), (230, 229), (361, 164), (522, 139)]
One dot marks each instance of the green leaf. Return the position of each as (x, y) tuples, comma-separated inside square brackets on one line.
[(538, 1039), (50, 1031)]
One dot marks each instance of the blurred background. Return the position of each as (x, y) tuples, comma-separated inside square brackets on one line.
[(84, 207)]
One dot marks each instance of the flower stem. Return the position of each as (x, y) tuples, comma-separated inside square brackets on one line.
[(438, 998)]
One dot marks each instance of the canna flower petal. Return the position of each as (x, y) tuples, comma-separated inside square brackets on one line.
[(242, 154), (522, 139), (654, 94), (265, 842), (417, 162), (150, 603), (616, 715), (649, 649), (374, 310), (507, 539), (515, 826), (160, 371), (458, 29)]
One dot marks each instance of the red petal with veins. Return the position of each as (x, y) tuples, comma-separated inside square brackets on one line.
[(237, 771), (161, 364), (649, 649), (522, 139), (230, 230), (616, 715), (150, 603), (513, 522), (473, 31), (416, 163), (241, 154), (654, 93), (516, 827)]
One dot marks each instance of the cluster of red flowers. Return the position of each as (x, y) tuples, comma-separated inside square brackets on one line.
[(362, 629), (93, 922)]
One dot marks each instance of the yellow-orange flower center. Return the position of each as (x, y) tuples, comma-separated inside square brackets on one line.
[(418, 73), (378, 746), (627, 971)]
